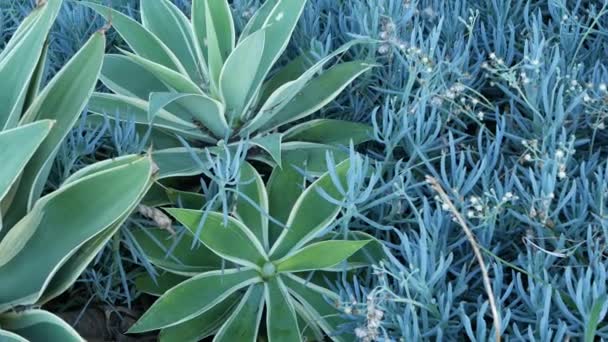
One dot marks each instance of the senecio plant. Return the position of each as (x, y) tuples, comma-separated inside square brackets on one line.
[(267, 272), (193, 78), (47, 241)]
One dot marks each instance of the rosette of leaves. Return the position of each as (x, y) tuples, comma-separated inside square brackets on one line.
[(46, 242), (194, 78), (264, 272)]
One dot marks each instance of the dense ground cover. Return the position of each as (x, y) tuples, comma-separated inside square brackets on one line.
[(488, 116)]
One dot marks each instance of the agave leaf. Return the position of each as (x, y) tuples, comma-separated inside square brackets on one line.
[(17, 146), (311, 213), (201, 108), (310, 330), (175, 254), (370, 254), (259, 19), (19, 61), (186, 199), (311, 157), (315, 300), (69, 212), (142, 41), (270, 143), (7, 336), (290, 72), (244, 322), (39, 325), (158, 285), (279, 26), (62, 100), (171, 78), (281, 321), (203, 325), (331, 132), (319, 255), (251, 189), (238, 76), (36, 81), (233, 241), (187, 301), (220, 37), (170, 25), (127, 78), (179, 162), (284, 187), (317, 93)]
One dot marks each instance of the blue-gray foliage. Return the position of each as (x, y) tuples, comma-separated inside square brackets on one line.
[(505, 103)]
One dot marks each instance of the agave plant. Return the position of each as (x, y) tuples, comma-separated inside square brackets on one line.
[(193, 78), (46, 242), (262, 270)]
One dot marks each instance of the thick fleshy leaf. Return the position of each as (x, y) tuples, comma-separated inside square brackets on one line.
[(284, 187), (125, 77), (279, 26), (234, 242), (370, 254), (238, 77), (179, 162), (221, 37), (281, 321), (252, 203), (171, 78), (271, 143), (309, 329), (142, 41), (158, 285), (311, 212), (36, 82), (315, 300), (319, 255), (7, 336), (129, 109), (39, 325), (17, 146), (290, 72), (259, 18), (244, 322), (170, 25), (193, 297), (175, 254), (311, 157), (331, 132), (72, 213), (20, 59), (200, 108), (318, 93), (203, 325), (62, 100)]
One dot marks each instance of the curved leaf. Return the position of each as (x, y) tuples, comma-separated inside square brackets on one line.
[(331, 132), (244, 322), (125, 77), (158, 285), (193, 297), (319, 255), (251, 189), (39, 325), (281, 321), (259, 18)]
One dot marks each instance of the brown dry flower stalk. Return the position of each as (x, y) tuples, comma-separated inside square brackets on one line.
[(160, 218), (484, 270)]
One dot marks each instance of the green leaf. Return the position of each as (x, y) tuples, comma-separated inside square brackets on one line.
[(290, 72), (170, 25), (175, 254), (125, 77), (178, 162), (186, 199), (171, 78), (331, 132), (318, 93), (142, 41), (279, 26), (193, 297), (371, 254), (238, 77), (284, 187), (281, 321), (159, 285), (128, 109), (39, 325), (203, 325), (37, 78), (17, 146), (595, 318), (207, 111), (319, 255), (244, 322), (7, 336), (309, 329), (220, 37), (314, 299), (311, 156), (20, 59), (259, 18), (234, 242), (311, 213), (270, 143), (62, 100), (69, 212), (251, 189)]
